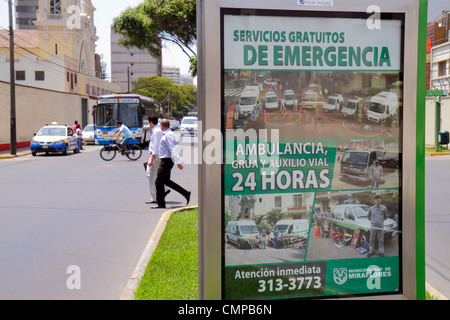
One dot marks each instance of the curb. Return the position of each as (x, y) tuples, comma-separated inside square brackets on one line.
[(434, 292), (437, 153), (16, 156), (135, 279)]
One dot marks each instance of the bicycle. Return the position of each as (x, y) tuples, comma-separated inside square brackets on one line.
[(108, 152)]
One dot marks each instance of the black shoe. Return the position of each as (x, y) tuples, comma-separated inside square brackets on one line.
[(188, 197), (370, 254), (158, 207)]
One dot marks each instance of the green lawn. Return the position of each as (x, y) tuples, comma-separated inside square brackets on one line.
[(172, 273)]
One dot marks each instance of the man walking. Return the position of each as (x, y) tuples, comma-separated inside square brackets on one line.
[(154, 161), (376, 215), (167, 152)]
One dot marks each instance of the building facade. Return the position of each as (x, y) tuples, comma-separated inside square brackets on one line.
[(26, 14), (129, 65), (172, 73), (59, 60)]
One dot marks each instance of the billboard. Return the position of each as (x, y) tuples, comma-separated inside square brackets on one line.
[(312, 113)]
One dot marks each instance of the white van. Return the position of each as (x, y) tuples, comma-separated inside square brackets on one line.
[(243, 233), (352, 105), (381, 106), (271, 100), (289, 100), (291, 231), (333, 103), (248, 101)]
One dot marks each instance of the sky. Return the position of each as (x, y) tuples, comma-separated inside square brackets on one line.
[(172, 56), (106, 11)]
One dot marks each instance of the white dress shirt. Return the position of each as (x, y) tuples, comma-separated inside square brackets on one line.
[(168, 146)]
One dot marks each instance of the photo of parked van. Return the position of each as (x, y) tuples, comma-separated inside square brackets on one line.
[(243, 233), (248, 100), (287, 232), (382, 105)]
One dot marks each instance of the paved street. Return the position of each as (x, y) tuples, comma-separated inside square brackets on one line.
[(437, 222), (76, 210)]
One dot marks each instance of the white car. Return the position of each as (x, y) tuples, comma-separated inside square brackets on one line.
[(189, 126), (271, 82), (88, 134), (54, 138)]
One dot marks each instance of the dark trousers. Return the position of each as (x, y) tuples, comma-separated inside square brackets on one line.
[(163, 179)]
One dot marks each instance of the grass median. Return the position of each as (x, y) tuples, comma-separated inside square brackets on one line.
[(172, 273)]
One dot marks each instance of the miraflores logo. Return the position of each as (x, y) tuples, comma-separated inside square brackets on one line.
[(372, 274), (340, 275)]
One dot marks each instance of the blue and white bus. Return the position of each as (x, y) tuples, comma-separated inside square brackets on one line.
[(131, 109)]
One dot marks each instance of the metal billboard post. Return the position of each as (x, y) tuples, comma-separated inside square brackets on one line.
[(289, 212)]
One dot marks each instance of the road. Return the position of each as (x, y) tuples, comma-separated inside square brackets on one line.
[(437, 222), (76, 219)]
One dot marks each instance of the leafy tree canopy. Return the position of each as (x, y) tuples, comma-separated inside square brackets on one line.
[(150, 22), (175, 100)]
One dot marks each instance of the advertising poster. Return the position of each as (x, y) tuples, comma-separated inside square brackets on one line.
[(312, 120)]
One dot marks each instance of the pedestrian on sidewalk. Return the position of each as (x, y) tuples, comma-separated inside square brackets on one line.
[(167, 152), (79, 134)]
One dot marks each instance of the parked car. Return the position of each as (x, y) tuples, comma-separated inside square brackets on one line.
[(243, 233), (271, 82), (352, 107), (54, 138), (351, 217), (334, 103), (189, 126), (271, 101), (89, 134)]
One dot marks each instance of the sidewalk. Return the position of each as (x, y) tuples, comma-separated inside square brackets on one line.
[(6, 154)]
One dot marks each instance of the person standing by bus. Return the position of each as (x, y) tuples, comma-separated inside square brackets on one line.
[(127, 133), (167, 152)]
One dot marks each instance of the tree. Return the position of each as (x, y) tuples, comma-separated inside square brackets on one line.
[(147, 24), (177, 100)]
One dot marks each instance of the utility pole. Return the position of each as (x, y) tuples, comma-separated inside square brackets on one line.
[(12, 83)]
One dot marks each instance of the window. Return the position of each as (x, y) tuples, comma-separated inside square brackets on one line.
[(278, 202), (442, 68), (20, 75), (297, 200), (39, 75), (55, 6)]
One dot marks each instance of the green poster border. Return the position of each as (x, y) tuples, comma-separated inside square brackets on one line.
[(420, 150)]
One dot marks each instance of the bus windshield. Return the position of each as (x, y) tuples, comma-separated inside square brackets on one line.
[(127, 113)]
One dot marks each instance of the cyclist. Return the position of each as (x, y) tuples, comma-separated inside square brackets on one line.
[(127, 133)]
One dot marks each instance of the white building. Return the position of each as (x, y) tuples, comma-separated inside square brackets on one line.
[(440, 67), (172, 73), (129, 65)]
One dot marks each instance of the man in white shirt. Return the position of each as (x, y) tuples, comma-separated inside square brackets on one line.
[(154, 161), (168, 155)]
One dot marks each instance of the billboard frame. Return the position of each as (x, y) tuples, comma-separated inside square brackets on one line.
[(413, 161)]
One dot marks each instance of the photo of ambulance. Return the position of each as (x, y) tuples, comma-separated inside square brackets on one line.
[(248, 100)]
